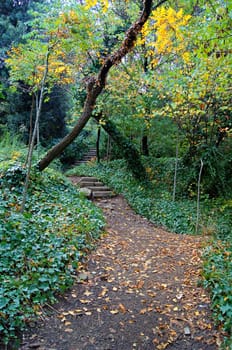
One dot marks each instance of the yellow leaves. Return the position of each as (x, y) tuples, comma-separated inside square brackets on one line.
[(186, 57), (167, 25), (15, 155), (73, 16), (92, 3)]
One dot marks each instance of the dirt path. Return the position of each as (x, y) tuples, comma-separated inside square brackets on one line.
[(139, 291)]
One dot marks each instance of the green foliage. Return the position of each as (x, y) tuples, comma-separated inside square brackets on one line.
[(11, 151), (216, 179), (218, 278), (76, 149), (127, 150), (41, 248)]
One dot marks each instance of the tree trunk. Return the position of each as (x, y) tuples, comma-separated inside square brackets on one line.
[(95, 85), (98, 142), (145, 148), (127, 149), (39, 101), (108, 150)]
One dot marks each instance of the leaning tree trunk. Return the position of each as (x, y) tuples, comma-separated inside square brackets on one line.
[(95, 85), (127, 149)]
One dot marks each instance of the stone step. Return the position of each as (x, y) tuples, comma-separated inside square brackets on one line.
[(99, 188), (90, 183), (92, 153), (88, 178), (93, 188), (102, 194), (88, 156)]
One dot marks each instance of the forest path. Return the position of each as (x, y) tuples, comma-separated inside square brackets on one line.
[(139, 290)]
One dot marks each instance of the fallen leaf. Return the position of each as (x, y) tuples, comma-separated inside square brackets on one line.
[(122, 308), (140, 284), (88, 313), (85, 301), (72, 312), (87, 293), (78, 311), (68, 330), (103, 292), (114, 312), (143, 311)]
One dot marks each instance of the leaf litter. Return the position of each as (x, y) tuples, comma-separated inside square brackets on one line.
[(139, 290)]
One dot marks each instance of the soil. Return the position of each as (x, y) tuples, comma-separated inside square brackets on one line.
[(139, 290)]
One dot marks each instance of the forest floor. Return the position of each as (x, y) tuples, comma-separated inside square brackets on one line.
[(138, 290)]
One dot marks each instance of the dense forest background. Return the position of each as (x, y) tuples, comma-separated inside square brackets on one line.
[(154, 100)]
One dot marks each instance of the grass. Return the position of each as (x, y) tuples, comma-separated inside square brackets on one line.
[(154, 201)]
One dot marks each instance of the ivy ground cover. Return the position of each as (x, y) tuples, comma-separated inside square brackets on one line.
[(40, 248)]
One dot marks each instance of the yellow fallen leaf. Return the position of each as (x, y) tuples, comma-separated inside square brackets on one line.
[(103, 292), (162, 346), (72, 312), (87, 293), (122, 308), (114, 312), (85, 301), (143, 311), (68, 330), (78, 311), (88, 313), (109, 268), (140, 284)]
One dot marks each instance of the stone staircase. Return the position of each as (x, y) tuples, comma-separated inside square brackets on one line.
[(93, 188), (92, 153)]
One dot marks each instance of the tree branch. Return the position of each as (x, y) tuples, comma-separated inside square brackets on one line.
[(95, 85)]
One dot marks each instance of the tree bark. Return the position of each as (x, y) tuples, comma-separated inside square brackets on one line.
[(145, 148), (38, 101), (98, 143), (95, 85)]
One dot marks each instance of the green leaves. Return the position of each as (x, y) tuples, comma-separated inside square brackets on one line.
[(218, 278), (40, 249)]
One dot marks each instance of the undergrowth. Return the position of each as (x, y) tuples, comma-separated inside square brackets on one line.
[(154, 201), (39, 249)]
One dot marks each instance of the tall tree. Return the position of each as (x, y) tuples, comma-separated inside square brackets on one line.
[(96, 84)]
